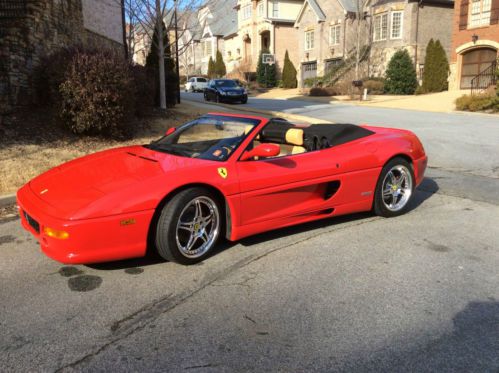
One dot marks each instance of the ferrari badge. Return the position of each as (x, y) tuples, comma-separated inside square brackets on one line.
[(222, 171)]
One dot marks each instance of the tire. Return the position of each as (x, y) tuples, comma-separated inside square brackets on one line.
[(206, 97), (193, 90), (388, 201), (189, 226), (218, 99), (244, 101)]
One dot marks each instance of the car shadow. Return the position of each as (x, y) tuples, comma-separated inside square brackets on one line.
[(424, 192)]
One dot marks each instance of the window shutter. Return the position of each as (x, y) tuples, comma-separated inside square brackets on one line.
[(494, 14), (463, 15)]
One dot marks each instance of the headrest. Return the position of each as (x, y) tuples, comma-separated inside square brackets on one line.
[(294, 136)]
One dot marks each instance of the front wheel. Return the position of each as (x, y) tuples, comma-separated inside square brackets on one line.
[(189, 226), (244, 100), (206, 97), (394, 189)]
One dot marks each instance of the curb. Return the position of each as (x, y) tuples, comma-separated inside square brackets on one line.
[(294, 117), (7, 200)]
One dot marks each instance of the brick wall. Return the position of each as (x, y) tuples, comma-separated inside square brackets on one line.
[(462, 33)]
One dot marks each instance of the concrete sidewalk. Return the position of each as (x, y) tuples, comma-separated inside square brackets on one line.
[(443, 102)]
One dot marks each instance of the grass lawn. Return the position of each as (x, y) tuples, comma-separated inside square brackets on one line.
[(35, 145)]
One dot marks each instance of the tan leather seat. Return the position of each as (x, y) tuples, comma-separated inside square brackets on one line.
[(294, 136)]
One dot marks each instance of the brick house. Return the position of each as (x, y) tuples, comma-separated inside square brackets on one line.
[(203, 33), (328, 32), (410, 25), (475, 40), (30, 30), (267, 24)]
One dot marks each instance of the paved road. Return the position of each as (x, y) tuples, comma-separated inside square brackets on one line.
[(416, 293)]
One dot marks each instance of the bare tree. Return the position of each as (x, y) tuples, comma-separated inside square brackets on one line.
[(360, 17), (149, 16)]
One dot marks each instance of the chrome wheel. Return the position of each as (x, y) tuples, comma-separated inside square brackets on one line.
[(197, 227), (397, 188)]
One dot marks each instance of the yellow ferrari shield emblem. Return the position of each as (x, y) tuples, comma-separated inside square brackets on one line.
[(222, 171)]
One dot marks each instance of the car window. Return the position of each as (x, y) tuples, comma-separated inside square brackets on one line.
[(212, 137), (226, 83), (201, 80), (191, 80)]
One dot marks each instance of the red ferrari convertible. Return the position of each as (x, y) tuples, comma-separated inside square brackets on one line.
[(219, 175)]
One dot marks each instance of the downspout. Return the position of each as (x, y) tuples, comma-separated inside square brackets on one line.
[(123, 22), (420, 2), (345, 37)]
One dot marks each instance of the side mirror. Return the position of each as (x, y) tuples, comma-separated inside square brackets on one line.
[(170, 131), (262, 151)]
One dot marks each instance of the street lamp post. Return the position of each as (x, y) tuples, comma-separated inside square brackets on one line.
[(176, 53)]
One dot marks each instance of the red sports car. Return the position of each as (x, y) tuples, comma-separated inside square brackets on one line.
[(219, 175)]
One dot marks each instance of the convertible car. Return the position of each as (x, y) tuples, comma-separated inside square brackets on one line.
[(219, 175)]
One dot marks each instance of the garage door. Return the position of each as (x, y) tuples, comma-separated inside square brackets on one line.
[(474, 63), (309, 70)]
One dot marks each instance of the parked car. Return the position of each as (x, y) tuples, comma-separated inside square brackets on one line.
[(225, 90), (219, 175), (196, 84)]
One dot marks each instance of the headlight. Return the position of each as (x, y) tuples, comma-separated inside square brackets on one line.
[(223, 93)]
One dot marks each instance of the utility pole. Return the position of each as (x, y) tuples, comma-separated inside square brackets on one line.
[(176, 54), (161, 56)]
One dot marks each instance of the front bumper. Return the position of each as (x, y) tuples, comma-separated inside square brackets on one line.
[(420, 168), (90, 240), (234, 98)]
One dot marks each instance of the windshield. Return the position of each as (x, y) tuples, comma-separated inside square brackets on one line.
[(210, 137), (226, 83)]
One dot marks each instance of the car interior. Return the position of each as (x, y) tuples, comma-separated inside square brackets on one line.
[(296, 139)]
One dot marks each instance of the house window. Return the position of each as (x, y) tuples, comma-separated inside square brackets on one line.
[(261, 8), (207, 48), (380, 27), (246, 11), (275, 9), (335, 35), (480, 13), (309, 40), (396, 30)]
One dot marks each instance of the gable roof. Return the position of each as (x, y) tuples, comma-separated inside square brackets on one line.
[(223, 19), (348, 5), (321, 16)]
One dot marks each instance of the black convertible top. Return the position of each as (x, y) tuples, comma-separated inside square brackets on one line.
[(316, 136)]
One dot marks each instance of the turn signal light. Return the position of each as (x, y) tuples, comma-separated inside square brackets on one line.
[(54, 233)]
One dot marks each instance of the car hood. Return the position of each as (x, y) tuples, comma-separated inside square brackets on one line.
[(105, 183)]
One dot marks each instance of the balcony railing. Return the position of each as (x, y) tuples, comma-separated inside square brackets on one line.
[(485, 79)]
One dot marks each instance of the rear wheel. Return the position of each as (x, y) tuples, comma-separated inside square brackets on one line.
[(394, 189), (189, 226)]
